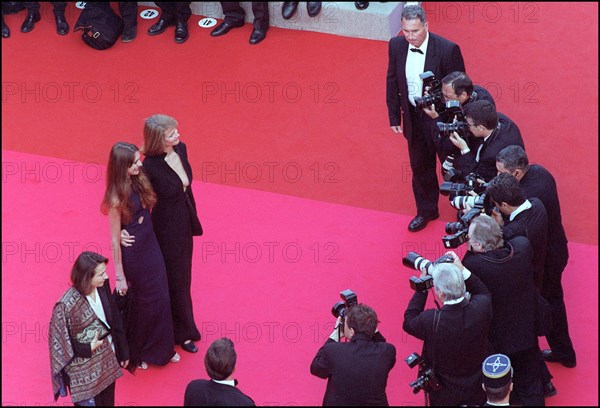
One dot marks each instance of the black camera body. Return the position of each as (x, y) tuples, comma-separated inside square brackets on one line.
[(426, 381), (480, 204), (472, 183), (421, 284), (415, 261), (341, 308), (435, 96)]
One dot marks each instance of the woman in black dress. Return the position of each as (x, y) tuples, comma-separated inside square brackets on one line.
[(127, 201), (174, 218)]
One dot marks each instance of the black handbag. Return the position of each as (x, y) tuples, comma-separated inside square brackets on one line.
[(543, 316), (100, 26)]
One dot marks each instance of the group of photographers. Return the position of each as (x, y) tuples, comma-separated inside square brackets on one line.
[(509, 214), (490, 301), (517, 250)]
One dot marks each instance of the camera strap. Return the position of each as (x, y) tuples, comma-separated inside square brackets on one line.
[(436, 321)]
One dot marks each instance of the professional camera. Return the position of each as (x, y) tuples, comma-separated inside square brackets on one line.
[(472, 183), (434, 93), (459, 230), (341, 308), (426, 381), (417, 262)]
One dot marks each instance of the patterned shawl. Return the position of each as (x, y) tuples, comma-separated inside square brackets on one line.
[(73, 320)]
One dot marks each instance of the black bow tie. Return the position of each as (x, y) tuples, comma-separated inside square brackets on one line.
[(417, 50)]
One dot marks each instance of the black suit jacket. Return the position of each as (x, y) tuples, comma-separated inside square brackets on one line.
[(459, 345), (533, 224), (508, 274), (113, 317), (443, 57), (506, 133), (174, 216), (209, 393), (357, 371), (538, 182)]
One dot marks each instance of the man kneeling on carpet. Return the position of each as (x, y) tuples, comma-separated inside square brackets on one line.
[(221, 389), (357, 370)]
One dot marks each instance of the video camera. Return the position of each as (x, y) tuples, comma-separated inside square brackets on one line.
[(434, 93), (426, 381), (341, 308), (417, 262)]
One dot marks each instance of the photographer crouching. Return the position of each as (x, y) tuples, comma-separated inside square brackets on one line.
[(455, 336), (356, 370)]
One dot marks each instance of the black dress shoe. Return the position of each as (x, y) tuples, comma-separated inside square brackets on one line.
[(313, 8), (551, 358), (257, 36), (550, 390), (5, 29), (62, 27), (190, 347), (159, 27), (30, 21), (225, 27), (129, 34), (361, 5), (181, 32), (420, 222), (288, 9)]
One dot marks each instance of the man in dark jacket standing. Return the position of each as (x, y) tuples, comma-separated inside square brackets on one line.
[(506, 268), (538, 182), (416, 52), (455, 336)]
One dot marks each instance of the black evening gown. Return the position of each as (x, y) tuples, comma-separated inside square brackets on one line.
[(175, 222), (150, 326)]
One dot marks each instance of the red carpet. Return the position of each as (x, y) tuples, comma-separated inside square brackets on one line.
[(301, 117)]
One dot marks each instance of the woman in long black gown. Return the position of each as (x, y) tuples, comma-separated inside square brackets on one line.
[(174, 218), (127, 201)]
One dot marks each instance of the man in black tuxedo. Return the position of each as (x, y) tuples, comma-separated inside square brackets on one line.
[(221, 390), (506, 268), (455, 336), (538, 182), (357, 370), (493, 131), (416, 52), (520, 216)]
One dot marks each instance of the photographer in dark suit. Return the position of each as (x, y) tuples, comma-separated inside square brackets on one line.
[(456, 86), (493, 131), (221, 390), (455, 336), (538, 182), (506, 268), (357, 370), (520, 216), (416, 52)]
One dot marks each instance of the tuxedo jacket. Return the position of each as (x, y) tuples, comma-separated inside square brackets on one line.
[(442, 58), (508, 274), (457, 348), (533, 224), (356, 371), (506, 133), (209, 393), (538, 182)]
